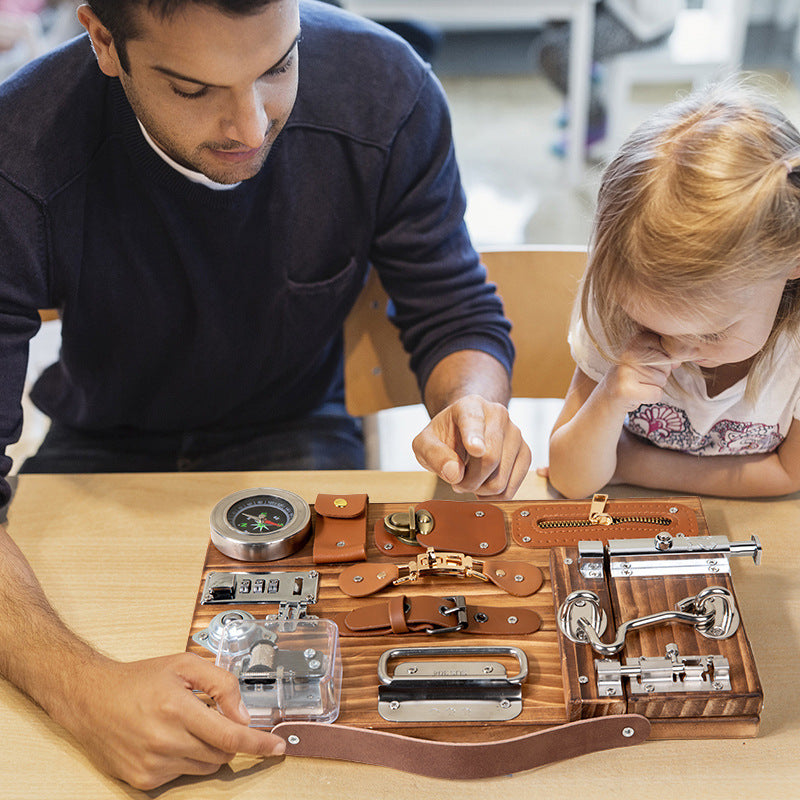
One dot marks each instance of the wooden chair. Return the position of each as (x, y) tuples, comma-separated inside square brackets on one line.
[(538, 286)]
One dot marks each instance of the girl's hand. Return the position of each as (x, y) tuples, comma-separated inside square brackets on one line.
[(642, 374)]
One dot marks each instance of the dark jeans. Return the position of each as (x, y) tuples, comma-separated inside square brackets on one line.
[(324, 440)]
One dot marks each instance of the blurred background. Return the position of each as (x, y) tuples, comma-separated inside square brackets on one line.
[(508, 115)]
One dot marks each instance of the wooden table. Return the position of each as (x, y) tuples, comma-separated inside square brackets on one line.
[(510, 13), (120, 557)]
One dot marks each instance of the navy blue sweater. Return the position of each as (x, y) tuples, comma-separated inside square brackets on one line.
[(184, 307)]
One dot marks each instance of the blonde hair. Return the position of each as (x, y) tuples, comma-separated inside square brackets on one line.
[(700, 200)]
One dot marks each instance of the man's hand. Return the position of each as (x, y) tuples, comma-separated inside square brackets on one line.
[(474, 446), (141, 722)]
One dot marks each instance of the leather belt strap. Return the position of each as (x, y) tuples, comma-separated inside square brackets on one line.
[(401, 614), (462, 760), (340, 528)]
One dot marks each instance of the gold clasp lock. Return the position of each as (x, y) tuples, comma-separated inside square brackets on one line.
[(407, 526), (431, 562), (597, 513)]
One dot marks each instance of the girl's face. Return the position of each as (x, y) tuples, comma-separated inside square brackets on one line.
[(733, 333)]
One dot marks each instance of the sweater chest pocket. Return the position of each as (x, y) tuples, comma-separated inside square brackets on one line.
[(323, 305)]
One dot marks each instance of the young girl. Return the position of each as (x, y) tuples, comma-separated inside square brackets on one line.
[(686, 330)]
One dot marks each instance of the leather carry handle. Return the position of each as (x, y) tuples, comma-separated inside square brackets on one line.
[(462, 760)]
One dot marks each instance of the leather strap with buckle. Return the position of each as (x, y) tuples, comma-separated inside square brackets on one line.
[(462, 760), (435, 615), (515, 577)]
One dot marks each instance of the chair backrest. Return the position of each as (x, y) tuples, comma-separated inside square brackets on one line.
[(538, 286)]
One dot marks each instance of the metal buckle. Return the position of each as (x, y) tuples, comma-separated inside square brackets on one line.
[(432, 563), (459, 608)]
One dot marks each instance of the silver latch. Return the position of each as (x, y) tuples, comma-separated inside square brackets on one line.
[(712, 613), (674, 673), (465, 688)]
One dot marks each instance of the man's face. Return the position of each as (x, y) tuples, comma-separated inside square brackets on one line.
[(214, 90)]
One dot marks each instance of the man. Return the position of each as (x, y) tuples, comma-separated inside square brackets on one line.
[(203, 209)]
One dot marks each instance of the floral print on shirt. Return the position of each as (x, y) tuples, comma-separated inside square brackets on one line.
[(669, 427)]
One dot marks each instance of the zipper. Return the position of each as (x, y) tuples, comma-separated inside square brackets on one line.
[(598, 516)]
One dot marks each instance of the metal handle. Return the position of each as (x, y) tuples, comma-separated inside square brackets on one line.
[(712, 613), (415, 652)]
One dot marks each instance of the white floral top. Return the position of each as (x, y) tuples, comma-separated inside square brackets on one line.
[(687, 419)]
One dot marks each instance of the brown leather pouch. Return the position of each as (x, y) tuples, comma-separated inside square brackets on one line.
[(558, 524), (340, 528), (471, 527)]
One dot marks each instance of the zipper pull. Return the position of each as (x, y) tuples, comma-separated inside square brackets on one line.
[(597, 515)]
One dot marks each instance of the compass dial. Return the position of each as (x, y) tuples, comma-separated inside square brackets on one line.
[(260, 514), (260, 524)]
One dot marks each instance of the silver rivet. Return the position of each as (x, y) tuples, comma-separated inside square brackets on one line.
[(293, 739), (340, 544), (480, 513), (526, 539), (524, 513), (583, 679), (512, 620), (394, 705), (413, 670), (388, 546), (358, 578), (716, 685), (487, 670), (628, 732), (673, 510), (519, 578), (314, 664), (648, 687), (484, 545), (505, 704), (309, 652), (567, 561)]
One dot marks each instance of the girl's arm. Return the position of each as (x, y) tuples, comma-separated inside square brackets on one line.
[(583, 444), (762, 475)]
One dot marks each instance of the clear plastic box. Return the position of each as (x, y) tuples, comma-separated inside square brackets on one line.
[(288, 669)]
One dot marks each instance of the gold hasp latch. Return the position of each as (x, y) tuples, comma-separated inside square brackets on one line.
[(432, 563), (407, 526)]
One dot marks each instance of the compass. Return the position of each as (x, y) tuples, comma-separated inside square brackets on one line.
[(260, 524)]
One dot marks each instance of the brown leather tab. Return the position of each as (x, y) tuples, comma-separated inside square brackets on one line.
[(474, 528), (361, 580), (390, 545), (462, 760), (397, 614), (340, 529), (425, 614), (634, 519), (515, 577)]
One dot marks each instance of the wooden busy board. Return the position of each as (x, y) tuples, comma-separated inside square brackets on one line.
[(552, 693)]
